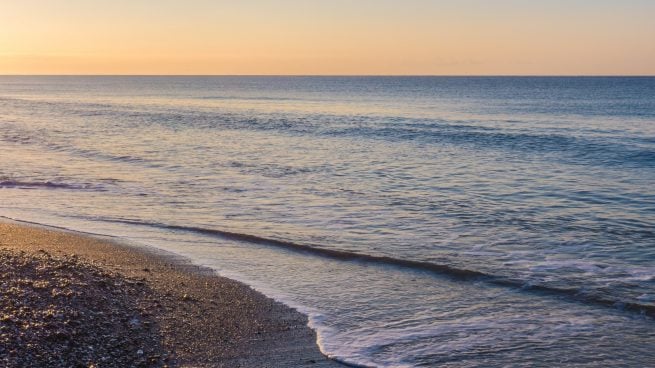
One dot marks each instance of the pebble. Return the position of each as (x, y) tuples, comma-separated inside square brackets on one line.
[(54, 312)]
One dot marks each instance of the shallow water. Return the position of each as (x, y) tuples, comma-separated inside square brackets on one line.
[(418, 221)]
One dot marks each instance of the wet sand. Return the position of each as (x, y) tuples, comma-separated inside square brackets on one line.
[(158, 307)]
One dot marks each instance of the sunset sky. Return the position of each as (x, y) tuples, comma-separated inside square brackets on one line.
[(435, 37)]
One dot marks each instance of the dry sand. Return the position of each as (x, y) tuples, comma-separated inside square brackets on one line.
[(167, 312)]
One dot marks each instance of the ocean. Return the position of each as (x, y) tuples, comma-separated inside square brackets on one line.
[(417, 221)]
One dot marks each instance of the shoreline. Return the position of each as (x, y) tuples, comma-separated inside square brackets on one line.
[(206, 320)]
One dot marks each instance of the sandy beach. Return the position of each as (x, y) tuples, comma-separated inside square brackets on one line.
[(74, 300)]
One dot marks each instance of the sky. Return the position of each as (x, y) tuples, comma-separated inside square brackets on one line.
[(328, 37)]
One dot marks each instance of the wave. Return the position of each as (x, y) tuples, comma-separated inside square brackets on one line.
[(573, 294), (248, 98), (571, 149), (592, 147), (62, 228), (47, 185)]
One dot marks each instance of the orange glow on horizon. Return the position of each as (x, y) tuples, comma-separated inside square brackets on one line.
[(319, 37)]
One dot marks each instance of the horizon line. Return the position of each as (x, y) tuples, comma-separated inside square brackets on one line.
[(339, 75)]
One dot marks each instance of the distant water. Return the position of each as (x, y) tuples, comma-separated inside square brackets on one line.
[(451, 222)]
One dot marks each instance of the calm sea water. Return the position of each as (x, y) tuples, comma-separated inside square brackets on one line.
[(452, 222)]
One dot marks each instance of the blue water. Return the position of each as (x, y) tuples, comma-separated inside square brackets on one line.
[(418, 221)]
